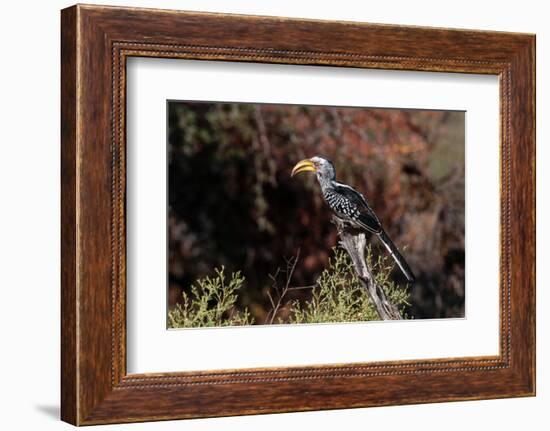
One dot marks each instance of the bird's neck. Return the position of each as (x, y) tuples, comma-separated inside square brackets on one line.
[(327, 184)]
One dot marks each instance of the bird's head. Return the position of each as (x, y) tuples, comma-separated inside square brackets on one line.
[(321, 166)]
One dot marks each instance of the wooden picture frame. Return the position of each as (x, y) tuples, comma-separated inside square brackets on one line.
[(95, 43)]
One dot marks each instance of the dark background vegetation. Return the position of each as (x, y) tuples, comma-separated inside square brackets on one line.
[(232, 201)]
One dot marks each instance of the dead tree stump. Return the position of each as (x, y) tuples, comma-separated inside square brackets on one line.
[(354, 241)]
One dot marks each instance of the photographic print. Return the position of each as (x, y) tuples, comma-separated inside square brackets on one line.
[(271, 213), (287, 214), (312, 244)]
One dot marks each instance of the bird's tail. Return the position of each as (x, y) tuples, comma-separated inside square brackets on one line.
[(400, 260)]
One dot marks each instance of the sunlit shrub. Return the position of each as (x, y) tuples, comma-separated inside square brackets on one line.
[(337, 296)]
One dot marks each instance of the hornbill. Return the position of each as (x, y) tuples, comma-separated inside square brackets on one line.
[(350, 206)]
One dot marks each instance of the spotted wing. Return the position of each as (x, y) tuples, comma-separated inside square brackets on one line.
[(366, 218)]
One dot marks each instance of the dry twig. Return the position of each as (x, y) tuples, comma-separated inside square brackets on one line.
[(275, 307)]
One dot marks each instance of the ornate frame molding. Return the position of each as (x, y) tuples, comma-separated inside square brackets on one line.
[(96, 41)]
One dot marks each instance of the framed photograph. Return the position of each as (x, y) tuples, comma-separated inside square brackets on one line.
[(329, 214)]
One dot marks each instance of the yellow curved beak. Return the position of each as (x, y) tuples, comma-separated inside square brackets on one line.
[(305, 165)]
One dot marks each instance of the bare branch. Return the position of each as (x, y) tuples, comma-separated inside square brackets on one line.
[(264, 140), (290, 267), (354, 242), (312, 286)]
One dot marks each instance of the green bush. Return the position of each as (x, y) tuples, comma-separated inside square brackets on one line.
[(337, 296), (211, 303)]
